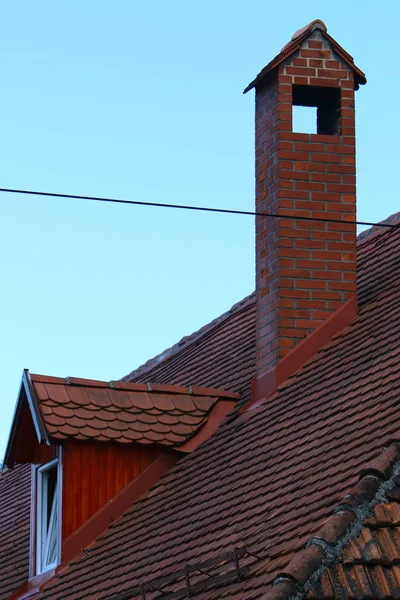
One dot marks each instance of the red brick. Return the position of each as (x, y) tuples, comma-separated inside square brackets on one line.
[(310, 224), (342, 265), (296, 137), (303, 304), (317, 294), (325, 255), (325, 157), (340, 285), (315, 44), (309, 166), (293, 273), (315, 53), (332, 64), (310, 264), (340, 149), (299, 254), (284, 155), (300, 80), (326, 275), (329, 139), (294, 175), (350, 169), (297, 195), (331, 73), (300, 62), (301, 71), (309, 186), (323, 82), (310, 147), (310, 284), (326, 177), (310, 244), (306, 323), (294, 293)]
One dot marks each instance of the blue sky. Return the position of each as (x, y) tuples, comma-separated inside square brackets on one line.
[(144, 101)]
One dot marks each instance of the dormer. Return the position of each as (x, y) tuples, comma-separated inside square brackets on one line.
[(95, 447)]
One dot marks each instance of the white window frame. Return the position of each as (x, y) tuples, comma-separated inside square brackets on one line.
[(38, 511)]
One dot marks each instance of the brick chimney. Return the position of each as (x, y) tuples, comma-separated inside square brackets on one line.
[(305, 270)]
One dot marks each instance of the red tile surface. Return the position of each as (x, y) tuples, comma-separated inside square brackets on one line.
[(93, 410), (270, 478), (15, 497), (220, 355), (369, 565)]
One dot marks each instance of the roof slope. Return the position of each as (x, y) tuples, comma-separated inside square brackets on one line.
[(271, 476), (84, 409), (369, 564), (15, 501), (221, 354)]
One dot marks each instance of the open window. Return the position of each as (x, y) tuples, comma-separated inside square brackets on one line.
[(323, 103), (47, 521)]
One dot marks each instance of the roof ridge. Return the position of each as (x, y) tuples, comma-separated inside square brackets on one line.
[(189, 339), (135, 387), (345, 523), (375, 230)]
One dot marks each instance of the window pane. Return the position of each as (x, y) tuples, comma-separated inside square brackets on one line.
[(47, 527), (50, 550)]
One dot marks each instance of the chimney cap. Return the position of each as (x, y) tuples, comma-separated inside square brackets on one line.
[(315, 25), (294, 44)]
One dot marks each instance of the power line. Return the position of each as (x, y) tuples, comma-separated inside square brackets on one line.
[(198, 208)]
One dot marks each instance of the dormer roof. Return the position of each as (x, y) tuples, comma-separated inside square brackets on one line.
[(126, 413)]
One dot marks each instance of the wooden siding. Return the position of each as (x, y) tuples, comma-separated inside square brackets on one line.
[(93, 473), (43, 454)]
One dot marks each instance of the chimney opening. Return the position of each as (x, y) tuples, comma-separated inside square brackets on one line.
[(305, 119), (325, 102)]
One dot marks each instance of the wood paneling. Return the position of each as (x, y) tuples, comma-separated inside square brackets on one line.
[(26, 447), (43, 454), (94, 472)]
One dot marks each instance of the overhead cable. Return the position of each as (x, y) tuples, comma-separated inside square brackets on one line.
[(229, 211)]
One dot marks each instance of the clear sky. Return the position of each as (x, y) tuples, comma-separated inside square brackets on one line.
[(143, 100)]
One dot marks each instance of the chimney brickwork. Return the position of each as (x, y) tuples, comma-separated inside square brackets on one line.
[(305, 270)]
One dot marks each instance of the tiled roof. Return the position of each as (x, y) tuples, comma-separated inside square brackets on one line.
[(221, 354), (15, 502), (368, 564), (123, 412), (270, 477)]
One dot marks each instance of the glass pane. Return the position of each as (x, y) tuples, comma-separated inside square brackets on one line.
[(47, 530), (50, 556)]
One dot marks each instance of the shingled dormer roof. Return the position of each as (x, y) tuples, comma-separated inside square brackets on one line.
[(84, 409)]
